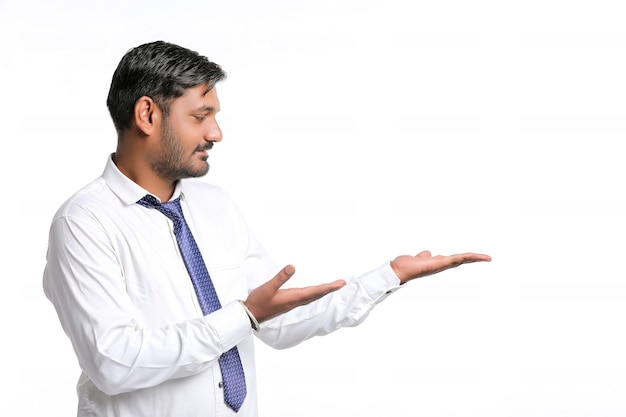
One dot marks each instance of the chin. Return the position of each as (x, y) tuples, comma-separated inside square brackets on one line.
[(200, 172), (190, 172)]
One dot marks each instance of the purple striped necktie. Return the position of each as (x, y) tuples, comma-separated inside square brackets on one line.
[(230, 362)]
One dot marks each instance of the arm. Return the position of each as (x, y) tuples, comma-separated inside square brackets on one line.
[(350, 302), (116, 340)]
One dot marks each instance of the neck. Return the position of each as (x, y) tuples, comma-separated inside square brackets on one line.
[(143, 175)]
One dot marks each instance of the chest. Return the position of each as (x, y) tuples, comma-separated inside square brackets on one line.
[(154, 271)]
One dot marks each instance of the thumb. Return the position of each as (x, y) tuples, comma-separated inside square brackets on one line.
[(283, 276)]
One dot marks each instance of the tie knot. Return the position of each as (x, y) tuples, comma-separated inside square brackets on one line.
[(171, 209)]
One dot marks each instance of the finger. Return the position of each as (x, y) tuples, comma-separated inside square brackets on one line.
[(474, 257), (282, 277), (312, 293), (465, 258), (334, 286)]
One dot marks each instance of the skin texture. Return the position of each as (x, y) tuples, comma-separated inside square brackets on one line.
[(157, 150)]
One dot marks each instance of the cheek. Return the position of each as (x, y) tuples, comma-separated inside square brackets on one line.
[(188, 136), (193, 132)]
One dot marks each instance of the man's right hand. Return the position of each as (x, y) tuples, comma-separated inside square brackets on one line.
[(269, 300)]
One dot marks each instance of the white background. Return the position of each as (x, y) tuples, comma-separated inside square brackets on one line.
[(355, 131)]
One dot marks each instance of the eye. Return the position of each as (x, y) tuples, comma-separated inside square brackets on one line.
[(199, 117)]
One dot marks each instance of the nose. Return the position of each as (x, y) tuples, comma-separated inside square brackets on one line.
[(213, 132)]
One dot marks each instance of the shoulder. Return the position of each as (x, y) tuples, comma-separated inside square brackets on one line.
[(90, 195)]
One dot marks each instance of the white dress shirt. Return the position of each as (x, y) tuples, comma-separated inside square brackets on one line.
[(117, 280)]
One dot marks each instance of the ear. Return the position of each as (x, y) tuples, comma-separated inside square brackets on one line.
[(147, 115)]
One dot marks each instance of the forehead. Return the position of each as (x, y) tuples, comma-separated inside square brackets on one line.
[(198, 97)]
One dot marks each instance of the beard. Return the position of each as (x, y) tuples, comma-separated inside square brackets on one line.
[(172, 163)]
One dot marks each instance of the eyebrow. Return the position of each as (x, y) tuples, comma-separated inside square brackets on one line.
[(206, 109)]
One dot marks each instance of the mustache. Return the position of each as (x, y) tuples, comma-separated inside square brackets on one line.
[(206, 147)]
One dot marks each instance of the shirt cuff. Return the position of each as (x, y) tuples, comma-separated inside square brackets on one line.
[(231, 323), (380, 282)]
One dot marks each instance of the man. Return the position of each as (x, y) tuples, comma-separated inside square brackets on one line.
[(155, 277)]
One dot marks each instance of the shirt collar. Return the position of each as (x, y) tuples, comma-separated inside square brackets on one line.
[(126, 189)]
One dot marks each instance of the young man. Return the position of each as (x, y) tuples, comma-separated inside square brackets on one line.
[(155, 277)]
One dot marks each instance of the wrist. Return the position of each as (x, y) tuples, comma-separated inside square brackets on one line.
[(398, 272), (253, 321)]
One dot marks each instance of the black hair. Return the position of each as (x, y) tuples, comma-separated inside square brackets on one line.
[(161, 71)]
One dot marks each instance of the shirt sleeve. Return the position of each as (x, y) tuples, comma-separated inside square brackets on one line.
[(346, 307), (84, 281)]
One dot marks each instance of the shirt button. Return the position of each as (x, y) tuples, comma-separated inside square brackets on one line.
[(220, 384)]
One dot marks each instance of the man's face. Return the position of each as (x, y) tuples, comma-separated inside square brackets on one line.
[(187, 133)]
